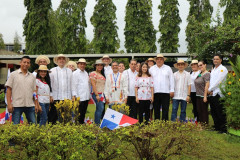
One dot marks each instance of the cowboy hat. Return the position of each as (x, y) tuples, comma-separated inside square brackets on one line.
[(72, 63), (43, 68), (160, 56), (180, 61), (99, 61), (107, 57), (81, 60), (150, 59), (58, 56), (42, 57)]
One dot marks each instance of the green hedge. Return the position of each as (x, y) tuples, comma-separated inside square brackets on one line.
[(158, 140)]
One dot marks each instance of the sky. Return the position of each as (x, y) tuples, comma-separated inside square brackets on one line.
[(12, 13)]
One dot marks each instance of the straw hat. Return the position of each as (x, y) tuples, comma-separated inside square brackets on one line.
[(58, 56), (81, 60), (43, 68), (180, 61), (107, 56), (194, 61), (150, 59), (160, 56), (99, 61), (72, 63), (42, 57)]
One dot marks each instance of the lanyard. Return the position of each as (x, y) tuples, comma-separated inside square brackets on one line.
[(115, 80)]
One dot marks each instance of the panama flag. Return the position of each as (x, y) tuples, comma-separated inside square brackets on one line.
[(113, 120), (2, 118)]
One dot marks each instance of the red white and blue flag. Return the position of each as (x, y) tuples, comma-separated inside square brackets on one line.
[(114, 120)]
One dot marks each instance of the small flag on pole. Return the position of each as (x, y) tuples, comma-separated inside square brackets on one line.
[(114, 120)]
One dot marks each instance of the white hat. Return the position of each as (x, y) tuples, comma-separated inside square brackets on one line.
[(107, 56), (42, 57), (60, 55), (81, 60), (160, 56), (194, 61), (43, 68), (150, 59), (181, 61)]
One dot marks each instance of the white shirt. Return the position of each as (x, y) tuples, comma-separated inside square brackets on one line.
[(182, 82), (81, 85), (43, 91), (144, 85), (119, 94), (218, 76), (61, 83), (108, 70), (193, 77), (131, 78), (163, 79)]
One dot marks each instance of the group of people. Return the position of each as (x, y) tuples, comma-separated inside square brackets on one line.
[(145, 87)]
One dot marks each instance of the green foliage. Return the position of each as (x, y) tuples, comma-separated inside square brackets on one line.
[(232, 10), (122, 108), (169, 26), (2, 97), (231, 91), (70, 27), (158, 140), (140, 35), (198, 19), (16, 42), (105, 29), (36, 26), (2, 44)]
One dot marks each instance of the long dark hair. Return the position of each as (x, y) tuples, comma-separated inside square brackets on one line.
[(46, 79), (102, 71), (140, 70)]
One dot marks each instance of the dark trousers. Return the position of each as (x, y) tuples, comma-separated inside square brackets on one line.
[(161, 99), (218, 114), (82, 110), (194, 101), (52, 114), (144, 107), (202, 109), (131, 102)]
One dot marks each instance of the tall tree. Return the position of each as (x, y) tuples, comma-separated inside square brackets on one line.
[(2, 44), (140, 35), (105, 29), (16, 43), (200, 12), (232, 10), (169, 26), (36, 26), (71, 24)]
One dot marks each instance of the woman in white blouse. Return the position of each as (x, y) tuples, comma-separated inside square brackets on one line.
[(144, 91), (43, 92)]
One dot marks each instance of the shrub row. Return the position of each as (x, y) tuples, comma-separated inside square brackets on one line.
[(158, 140)]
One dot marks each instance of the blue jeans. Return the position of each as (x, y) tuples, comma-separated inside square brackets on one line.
[(44, 114), (29, 112), (175, 105), (99, 110)]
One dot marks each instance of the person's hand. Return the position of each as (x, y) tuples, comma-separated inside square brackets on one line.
[(188, 98), (152, 99), (137, 100), (205, 99), (98, 98), (10, 108), (210, 93), (51, 99), (39, 109), (171, 94), (73, 98), (36, 108), (107, 101), (125, 100)]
